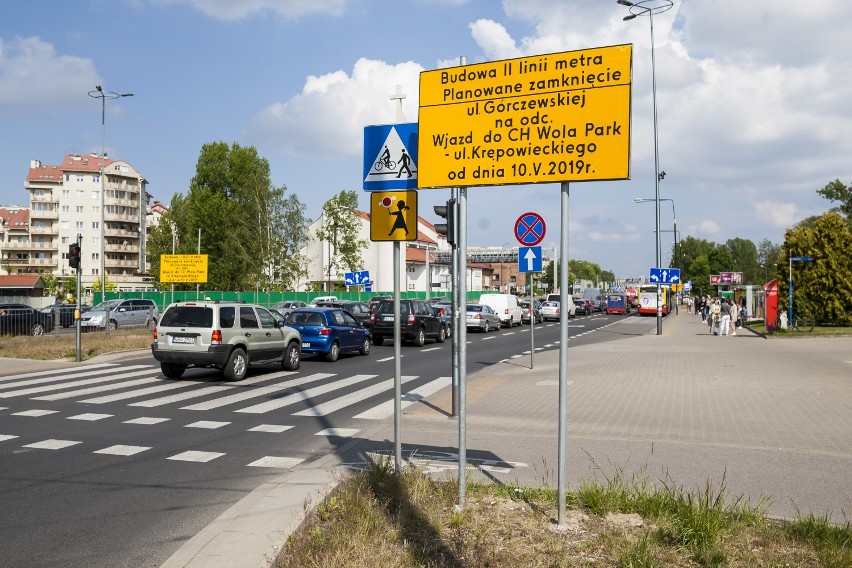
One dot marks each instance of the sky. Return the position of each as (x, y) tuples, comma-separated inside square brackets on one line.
[(754, 102)]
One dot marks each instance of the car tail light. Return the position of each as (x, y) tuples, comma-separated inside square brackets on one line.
[(155, 335), (216, 337), (478, 316), (411, 318), (557, 310), (372, 318), (506, 311), (325, 331)]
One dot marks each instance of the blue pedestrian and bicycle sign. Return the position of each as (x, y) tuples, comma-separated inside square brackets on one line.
[(530, 229), (390, 157), (665, 276), (360, 278)]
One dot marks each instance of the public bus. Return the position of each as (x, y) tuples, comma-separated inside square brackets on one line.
[(648, 299)]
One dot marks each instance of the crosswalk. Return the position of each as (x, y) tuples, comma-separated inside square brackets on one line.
[(139, 389)]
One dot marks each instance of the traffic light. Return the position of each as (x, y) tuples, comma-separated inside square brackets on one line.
[(447, 229), (74, 255)]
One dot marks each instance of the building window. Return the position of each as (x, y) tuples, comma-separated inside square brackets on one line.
[(96, 241), (80, 194), (96, 178), (95, 224), (79, 209), (67, 177), (96, 209), (78, 225), (66, 209), (64, 224), (66, 193), (80, 177), (96, 195)]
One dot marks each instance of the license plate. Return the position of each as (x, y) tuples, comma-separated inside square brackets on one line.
[(190, 340), (304, 344), (387, 318)]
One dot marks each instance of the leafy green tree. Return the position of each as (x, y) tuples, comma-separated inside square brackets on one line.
[(836, 191), (768, 255), (700, 276), (688, 251), (247, 227), (720, 260), (822, 288), (342, 228), (744, 255)]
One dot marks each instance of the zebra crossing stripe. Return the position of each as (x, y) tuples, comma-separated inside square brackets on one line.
[(351, 398), (4, 437), (93, 390), (136, 393), (163, 400), (276, 462), (254, 393), (80, 383), (304, 395), (121, 450), (74, 375), (84, 369), (53, 444), (196, 456), (385, 409), (89, 416)]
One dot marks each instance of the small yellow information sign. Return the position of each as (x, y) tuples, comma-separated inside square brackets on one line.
[(187, 268), (393, 216), (540, 119)]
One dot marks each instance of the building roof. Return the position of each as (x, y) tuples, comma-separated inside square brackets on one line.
[(90, 163), (13, 219), (27, 281)]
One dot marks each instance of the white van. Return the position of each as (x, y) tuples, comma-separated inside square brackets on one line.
[(320, 299), (506, 306)]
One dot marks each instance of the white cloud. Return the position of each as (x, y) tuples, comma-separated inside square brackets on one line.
[(329, 115), (33, 76), (777, 213), (239, 9), (707, 227)]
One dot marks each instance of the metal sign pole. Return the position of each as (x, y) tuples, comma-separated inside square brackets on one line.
[(461, 240), (77, 328), (459, 318), (397, 367), (532, 321), (563, 354)]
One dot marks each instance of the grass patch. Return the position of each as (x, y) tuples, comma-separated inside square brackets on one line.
[(377, 517), (64, 346)]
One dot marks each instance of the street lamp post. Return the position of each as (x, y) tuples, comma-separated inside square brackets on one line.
[(649, 8), (674, 221), (100, 93)]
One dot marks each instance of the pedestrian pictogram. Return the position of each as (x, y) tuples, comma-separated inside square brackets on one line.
[(390, 157), (393, 216), (530, 229)]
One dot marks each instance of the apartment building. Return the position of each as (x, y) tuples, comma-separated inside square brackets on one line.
[(65, 201)]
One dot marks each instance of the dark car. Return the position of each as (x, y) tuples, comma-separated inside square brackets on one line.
[(584, 306), (418, 322), (329, 332), (445, 311), (20, 319), (360, 310), (525, 316), (66, 313)]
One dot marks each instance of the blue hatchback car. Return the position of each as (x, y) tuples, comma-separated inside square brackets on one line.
[(330, 332)]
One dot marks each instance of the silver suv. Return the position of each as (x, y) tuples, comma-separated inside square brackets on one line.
[(130, 312), (226, 335)]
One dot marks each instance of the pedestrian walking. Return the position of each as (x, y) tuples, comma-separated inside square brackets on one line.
[(714, 316), (726, 318), (732, 307)]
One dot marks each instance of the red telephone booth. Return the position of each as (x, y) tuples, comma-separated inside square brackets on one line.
[(770, 290)]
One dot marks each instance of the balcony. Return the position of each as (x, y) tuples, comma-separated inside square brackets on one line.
[(16, 245), (43, 198), (128, 248), (36, 214), (43, 262), (122, 263), (44, 230), (121, 201), (121, 217)]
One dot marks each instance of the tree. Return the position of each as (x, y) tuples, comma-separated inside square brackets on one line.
[(342, 228), (720, 259), (768, 254), (744, 255), (836, 191), (823, 287), (250, 231)]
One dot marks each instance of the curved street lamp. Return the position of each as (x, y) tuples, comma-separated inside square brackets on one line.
[(650, 8), (100, 93)]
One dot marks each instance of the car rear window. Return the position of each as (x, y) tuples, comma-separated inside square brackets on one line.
[(474, 308), (387, 308), (188, 316)]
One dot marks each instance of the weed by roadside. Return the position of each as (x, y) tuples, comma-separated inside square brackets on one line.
[(48, 347), (379, 518)]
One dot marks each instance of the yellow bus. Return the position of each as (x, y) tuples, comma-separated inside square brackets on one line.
[(648, 300)]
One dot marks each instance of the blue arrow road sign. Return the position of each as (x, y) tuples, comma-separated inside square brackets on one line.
[(360, 278), (529, 259), (665, 275)]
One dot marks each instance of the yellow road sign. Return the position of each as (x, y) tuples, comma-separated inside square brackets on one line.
[(190, 268), (540, 119), (393, 216)]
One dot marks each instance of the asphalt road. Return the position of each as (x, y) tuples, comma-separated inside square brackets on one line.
[(115, 465)]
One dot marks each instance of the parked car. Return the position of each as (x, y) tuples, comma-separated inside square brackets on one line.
[(66, 313), (482, 317), (225, 335), (288, 306), (505, 305), (418, 322), (20, 319), (329, 332), (360, 310), (132, 312), (321, 299), (525, 315)]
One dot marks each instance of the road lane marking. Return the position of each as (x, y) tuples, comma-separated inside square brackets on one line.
[(351, 398), (196, 456), (385, 409), (271, 428), (276, 462), (94, 390), (258, 392), (83, 369), (338, 432), (53, 444), (275, 404), (121, 450)]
